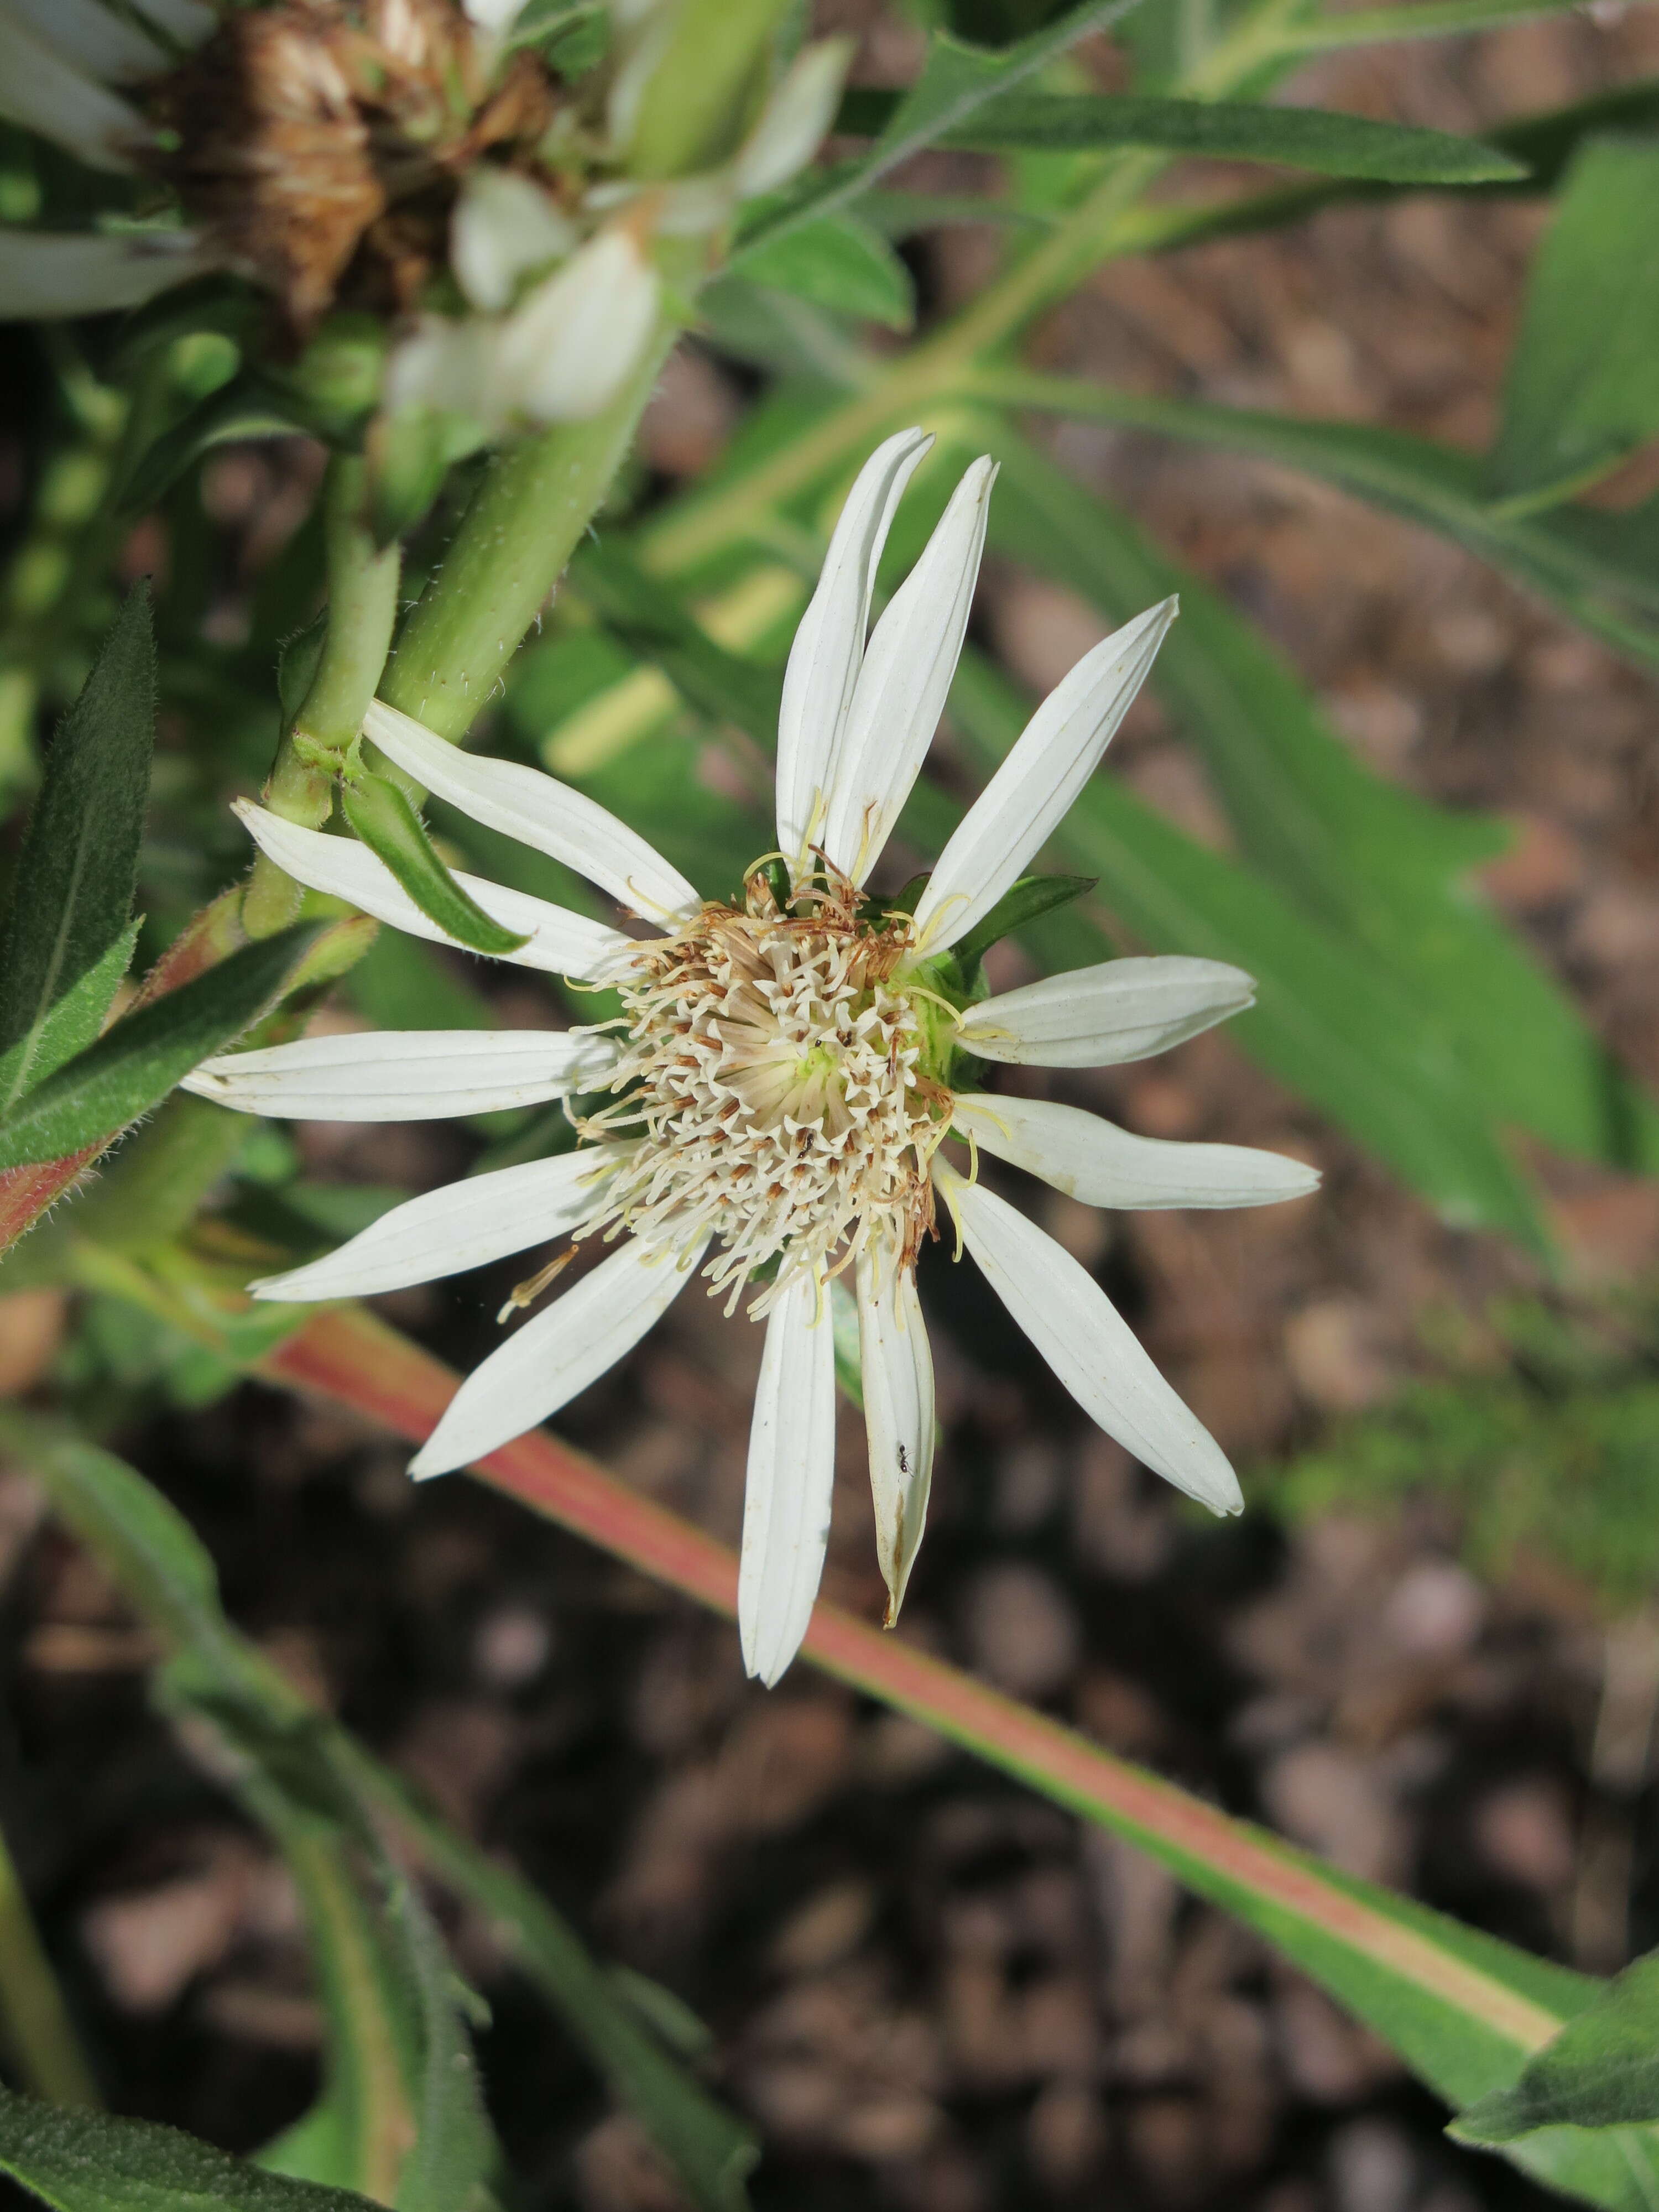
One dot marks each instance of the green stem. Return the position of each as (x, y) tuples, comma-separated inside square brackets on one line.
[(362, 609), (162, 1176), (525, 522), (39, 2034)]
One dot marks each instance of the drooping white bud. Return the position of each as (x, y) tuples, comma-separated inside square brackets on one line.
[(568, 347), (795, 119), (503, 226)]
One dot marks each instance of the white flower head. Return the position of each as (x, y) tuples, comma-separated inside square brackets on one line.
[(774, 1106)]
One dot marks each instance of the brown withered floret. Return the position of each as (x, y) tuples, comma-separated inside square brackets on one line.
[(320, 143)]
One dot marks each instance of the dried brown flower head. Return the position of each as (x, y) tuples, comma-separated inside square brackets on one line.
[(319, 143)]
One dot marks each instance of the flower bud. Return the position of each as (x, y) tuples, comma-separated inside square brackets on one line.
[(503, 226), (689, 91), (795, 119), (576, 336)]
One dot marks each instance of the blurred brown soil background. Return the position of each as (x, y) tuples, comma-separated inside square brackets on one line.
[(930, 1991)]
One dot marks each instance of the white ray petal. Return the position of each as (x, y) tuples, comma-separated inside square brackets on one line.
[(824, 659), (539, 812), (1024, 802), (554, 1358), (567, 348), (795, 119), (50, 96), (464, 1224), (1094, 1160), (94, 39), (792, 1474), (904, 680), (45, 275), (1087, 1343), (896, 1366), (405, 1075), (1100, 1017), (561, 943)]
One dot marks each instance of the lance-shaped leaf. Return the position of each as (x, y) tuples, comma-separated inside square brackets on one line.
[(1462, 2008), (1330, 143), (1363, 856), (381, 813), (299, 1764), (1026, 902), (90, 2162), (75, 878), (1580, 392), (955, 82), (841, 264), (1602, 2071), (136, 1063), (1599, 569)]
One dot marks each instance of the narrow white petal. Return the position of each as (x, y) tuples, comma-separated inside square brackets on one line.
[(553, 1357), (47, 94), (795, 119), (539, 812), (561, 943), (464, 1224), (1024, 802), (828, 647), (502, 226), (1087, 1343), (494, 15), (405, 1075), (904, 681), (1096, 1161), (45, 276), (896, 1365), (792, 1474), (94, 39), (186, 22), (567, 349), (1100, 1017)]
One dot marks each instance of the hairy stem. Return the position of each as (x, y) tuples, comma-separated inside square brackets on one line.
[(525, 522), (362, 608)]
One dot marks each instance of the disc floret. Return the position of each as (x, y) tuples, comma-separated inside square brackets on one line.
[(780, 1086)]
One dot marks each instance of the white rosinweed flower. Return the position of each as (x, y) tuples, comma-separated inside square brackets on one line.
[(774, 1104)]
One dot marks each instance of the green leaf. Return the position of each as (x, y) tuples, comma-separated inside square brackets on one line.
[(88, 2162), (1602, 2071), (1362, 855), (839, 263), (1601, 570), (70, 1025), (1315, 138), (1029, 900), (383, 815), (134, 1065), (1581, 394), (396, 2051), (707, 2147), (955, 83), (75, 874)]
